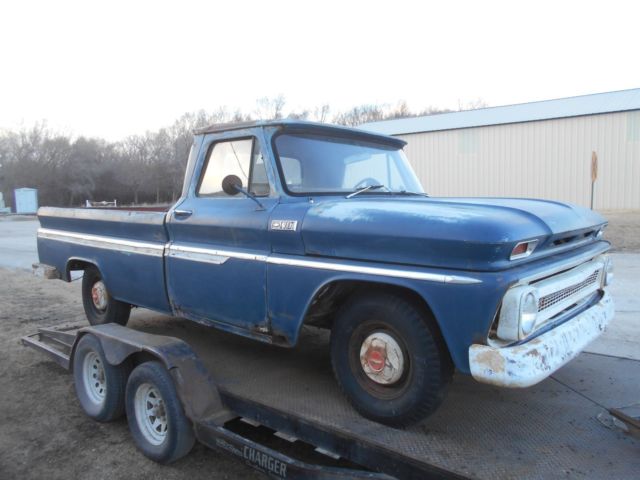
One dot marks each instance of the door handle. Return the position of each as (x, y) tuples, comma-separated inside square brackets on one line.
[(181, 214)]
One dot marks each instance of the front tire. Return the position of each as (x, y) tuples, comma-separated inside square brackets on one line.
[(99, 386), (99, 306), (389, 359), (157, 422)]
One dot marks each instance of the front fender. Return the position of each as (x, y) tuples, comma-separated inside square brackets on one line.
[(464, 312)]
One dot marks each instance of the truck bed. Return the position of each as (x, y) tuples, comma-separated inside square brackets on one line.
[(127, 245), (547, 431)]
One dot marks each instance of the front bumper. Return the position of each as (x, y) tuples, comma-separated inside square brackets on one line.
[(531, 362)]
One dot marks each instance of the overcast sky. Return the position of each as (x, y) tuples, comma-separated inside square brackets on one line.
[(115, 68)]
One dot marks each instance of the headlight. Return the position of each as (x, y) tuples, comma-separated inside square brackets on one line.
[(528, 312), (518, 313)]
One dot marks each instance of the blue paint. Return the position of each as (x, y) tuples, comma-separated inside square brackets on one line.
[(252, 297)]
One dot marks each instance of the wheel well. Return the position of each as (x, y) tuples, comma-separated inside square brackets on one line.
[(328, 300), (77, 264)]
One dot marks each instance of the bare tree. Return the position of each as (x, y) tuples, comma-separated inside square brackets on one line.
[(270, 108), (146, 168)]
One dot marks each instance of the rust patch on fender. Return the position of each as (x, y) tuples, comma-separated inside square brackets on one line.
[(492, 360)]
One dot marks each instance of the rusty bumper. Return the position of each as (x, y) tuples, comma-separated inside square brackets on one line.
[(531, 362)]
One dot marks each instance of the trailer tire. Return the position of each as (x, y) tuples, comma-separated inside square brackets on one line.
[(100, 387), (99, 306), (389, 359), (157, 422)]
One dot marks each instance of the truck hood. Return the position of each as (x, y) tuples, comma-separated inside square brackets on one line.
[(456, 233)]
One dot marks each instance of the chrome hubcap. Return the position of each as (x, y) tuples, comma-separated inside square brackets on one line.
[(151, 414), (95, 382), (99, 295), (381, 358)]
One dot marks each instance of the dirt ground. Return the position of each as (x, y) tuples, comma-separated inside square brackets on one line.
[(624, 230), (43, 431)]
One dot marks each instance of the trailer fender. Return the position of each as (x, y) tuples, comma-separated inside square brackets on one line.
[(195, 386)]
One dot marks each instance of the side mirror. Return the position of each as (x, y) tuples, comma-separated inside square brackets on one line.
[(231, 184)]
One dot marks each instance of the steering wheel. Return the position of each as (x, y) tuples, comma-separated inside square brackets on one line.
[(366, 182)]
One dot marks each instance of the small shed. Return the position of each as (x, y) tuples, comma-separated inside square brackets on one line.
[(26, 200)]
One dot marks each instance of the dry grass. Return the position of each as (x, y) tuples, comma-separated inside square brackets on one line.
[(624, 230)]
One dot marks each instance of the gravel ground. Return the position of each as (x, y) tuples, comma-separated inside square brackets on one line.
[(43, 431)]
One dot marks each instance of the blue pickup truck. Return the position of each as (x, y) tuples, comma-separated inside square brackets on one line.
[(285, 223)]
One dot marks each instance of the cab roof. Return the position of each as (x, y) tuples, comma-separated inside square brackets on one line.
[(304, 126)]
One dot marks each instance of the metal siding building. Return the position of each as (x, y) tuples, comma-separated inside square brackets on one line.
[(539, 149)]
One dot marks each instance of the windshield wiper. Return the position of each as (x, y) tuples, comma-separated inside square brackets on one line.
[(419, 194), (366, 189)]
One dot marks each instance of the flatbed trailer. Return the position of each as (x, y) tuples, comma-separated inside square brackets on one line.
[(279, 410)]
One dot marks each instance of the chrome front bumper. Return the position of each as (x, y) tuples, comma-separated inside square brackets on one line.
[(531, 362)]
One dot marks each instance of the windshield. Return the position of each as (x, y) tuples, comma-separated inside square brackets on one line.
[(321, 164)]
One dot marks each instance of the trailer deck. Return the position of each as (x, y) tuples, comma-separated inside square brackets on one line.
[(552, 430)]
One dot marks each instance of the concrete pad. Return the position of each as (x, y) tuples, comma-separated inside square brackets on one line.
[(608, 381), (622, 338), (18, 243)]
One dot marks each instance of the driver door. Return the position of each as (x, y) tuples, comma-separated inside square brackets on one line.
[(216, 268)]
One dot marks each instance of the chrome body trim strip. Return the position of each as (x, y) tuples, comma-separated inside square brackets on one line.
[(197, 256), (218, 257), (387, 272), (217, 253), (100, 241)]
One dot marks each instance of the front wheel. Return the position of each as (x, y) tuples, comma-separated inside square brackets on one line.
[(99, 306), (389, 359)]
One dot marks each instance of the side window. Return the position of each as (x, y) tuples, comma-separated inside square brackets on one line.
[(242, 158)]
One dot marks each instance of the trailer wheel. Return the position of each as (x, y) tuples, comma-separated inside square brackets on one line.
[(99, 386), (389, 359), (99, 306), (156, 419)]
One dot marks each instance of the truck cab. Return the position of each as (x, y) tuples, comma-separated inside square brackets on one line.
[(283, 224)]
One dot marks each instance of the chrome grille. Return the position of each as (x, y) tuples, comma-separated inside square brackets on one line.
[(557, 297)]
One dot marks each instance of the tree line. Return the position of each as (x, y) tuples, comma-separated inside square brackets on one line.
[(141, 169)]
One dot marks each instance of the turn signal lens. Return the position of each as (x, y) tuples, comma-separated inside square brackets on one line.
[(523, 249)]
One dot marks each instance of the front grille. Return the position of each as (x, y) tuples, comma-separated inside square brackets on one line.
[(557, 297)]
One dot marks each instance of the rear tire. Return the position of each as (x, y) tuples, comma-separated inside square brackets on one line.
[(99, 306), (389, 359), (99, 386), (157, 422)]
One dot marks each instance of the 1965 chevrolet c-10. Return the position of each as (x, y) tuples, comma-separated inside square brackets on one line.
[(285, 223)]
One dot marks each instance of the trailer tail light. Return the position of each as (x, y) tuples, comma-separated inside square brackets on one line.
[(523, 249)]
